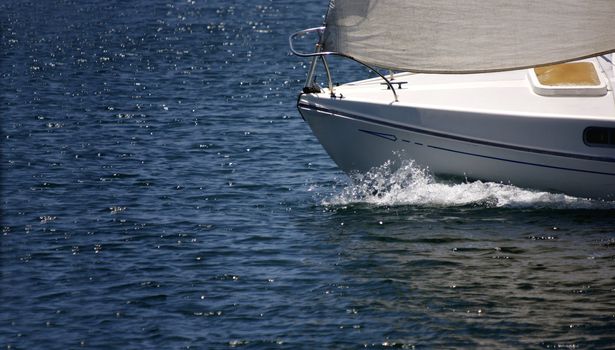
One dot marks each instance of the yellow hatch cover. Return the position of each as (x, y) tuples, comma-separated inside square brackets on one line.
[(567, 74)]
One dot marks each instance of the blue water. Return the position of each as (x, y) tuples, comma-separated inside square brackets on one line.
[(160, 190)]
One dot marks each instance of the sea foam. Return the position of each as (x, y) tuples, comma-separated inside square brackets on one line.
[(410, 184)]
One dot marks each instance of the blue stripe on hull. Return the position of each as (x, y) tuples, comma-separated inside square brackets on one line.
[(455, 137), (392, 137), (521, 162)]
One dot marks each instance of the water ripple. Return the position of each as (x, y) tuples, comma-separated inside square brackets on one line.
[(159, 190)]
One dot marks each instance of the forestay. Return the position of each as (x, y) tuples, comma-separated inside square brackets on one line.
[(457, 36)]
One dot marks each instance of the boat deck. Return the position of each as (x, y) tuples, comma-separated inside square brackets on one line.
[(502, 93)]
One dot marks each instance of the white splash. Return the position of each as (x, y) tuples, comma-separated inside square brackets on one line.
[(412, 185)]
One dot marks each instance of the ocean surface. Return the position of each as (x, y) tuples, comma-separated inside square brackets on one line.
[(159, 190)]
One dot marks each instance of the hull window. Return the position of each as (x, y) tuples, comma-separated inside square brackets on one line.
[(599, 137)]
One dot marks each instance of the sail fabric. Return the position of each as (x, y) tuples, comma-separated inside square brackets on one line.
[(464, 36)]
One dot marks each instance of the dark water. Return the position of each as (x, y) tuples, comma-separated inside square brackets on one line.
[(159, 190)]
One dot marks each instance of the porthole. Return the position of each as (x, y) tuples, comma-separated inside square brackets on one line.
[(599, 137)]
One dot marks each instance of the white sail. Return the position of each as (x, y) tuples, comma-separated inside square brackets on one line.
[(456, 36)]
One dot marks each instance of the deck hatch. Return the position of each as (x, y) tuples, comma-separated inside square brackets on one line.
[(568, 79)]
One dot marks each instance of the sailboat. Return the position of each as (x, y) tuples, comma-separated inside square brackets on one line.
[(514, 92)]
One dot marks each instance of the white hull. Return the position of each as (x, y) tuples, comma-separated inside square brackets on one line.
[(490, 127)]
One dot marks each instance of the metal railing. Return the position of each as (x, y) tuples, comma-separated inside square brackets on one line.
[(318, 53)]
